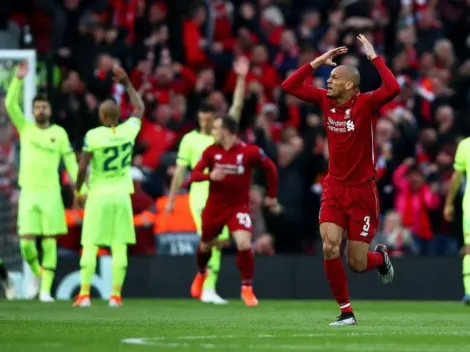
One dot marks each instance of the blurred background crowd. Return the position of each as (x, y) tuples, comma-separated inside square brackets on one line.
[(179, 54)]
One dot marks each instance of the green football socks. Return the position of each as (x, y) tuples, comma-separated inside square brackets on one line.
[(49, 263), (214, 268), (30, 254), (466, 273), (87, 268), (119, 264)]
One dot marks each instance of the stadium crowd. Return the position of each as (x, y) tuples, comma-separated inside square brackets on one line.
[(180, 54)]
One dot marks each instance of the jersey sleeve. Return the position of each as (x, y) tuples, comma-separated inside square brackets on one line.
[(460, 156), (184, 152), (12, 104), (88, 142), (132, 127)]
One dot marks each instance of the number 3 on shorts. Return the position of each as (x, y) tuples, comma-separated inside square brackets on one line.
[(366, 227), (244, 219)]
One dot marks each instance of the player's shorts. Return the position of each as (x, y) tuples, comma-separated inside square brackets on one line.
[(41, 213), (108, 219), (355, 208), (197, 202), (236, 219)]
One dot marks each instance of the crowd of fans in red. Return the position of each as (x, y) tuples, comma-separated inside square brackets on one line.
[(180, 53)]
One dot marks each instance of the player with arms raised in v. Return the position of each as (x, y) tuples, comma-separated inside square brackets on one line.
[(191, 148), (349, 201), (108, 218), (230, 163), (40, 210)]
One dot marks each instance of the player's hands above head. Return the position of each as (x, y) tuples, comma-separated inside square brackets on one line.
[(22, 69), (369, 49), (217, 174), (449, 212), (120, 75), (241, 66), (327, 58)]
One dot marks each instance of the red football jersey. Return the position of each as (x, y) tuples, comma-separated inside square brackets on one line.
[(350, 126), (238, 163)]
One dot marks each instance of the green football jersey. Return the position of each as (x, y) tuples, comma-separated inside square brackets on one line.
[(462, 163), (42, 149), (112, 156), (190, 151)]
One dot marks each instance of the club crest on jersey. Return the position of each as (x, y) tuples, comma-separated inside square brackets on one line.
[(218, 156), (347, 114)]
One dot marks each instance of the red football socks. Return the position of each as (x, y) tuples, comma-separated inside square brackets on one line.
[(374, 259), (336, 276), (202, 260), (246, 265)]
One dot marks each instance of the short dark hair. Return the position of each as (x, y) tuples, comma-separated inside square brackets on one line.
[(229, 124), (40, 99), (206, 107)]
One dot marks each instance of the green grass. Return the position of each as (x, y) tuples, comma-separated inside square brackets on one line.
[(181, 325)]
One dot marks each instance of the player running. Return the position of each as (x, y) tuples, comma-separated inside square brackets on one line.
[(40, 209), (191, 148), (461, 166), (230, 163), (108, 218), (5, 282), (349, 201)]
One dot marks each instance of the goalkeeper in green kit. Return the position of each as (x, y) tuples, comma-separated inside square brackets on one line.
[(40, 209), (108, 218), (190, 151)]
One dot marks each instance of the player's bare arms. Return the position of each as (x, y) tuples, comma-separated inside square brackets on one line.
[(349, 200)]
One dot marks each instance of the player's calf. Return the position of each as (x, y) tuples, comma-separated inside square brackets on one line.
[(246, 264), (204, 253)]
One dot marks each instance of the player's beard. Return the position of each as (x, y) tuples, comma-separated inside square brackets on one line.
[(42, 119)]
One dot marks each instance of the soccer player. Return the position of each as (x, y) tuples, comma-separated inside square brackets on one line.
[(108, 218), (461, 166), (349, 200), (230, 163), (191, 148), (40, 210), (6, 282)]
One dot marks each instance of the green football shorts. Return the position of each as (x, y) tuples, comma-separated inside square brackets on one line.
[(108, 219), (197, 202), (41, 213)]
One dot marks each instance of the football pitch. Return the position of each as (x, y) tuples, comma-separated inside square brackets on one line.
[(183, 325)]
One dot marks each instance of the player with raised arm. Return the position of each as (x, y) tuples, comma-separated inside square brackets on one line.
[(40, 210), (230, 164), (108, 218), (349, 200), (461, 168), (191, 148)]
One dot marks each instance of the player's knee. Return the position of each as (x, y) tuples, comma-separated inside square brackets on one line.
[(242, 240), (206, 246), (330, 250), (357, 264)]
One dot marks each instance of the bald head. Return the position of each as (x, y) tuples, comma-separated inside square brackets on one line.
[(109, 112), (343, 82)]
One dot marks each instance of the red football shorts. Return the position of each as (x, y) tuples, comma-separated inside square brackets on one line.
[(355, 208), (213, 221)]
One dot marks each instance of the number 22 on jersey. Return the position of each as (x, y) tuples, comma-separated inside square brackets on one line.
[(118, 157)]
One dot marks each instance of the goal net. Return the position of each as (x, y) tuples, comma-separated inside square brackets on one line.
[(9, 157)]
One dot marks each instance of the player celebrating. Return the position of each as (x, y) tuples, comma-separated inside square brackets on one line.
[(191, 148), (349, 201), (40, 209), (230, 163), (461, 166), (108, 218)]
